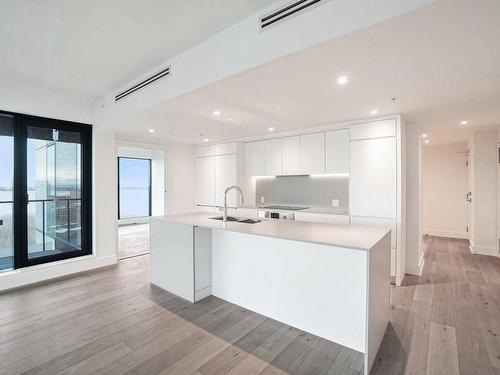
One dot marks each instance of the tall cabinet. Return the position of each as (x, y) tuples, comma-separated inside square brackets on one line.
[(375, 186), (216, 169)]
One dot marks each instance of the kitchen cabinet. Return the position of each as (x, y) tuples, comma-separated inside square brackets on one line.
[(374, 129), (225, 176), (273, 157), (337, 151), (205, 181), (312, 153), (373, 180), (290, 155), (255, 158)]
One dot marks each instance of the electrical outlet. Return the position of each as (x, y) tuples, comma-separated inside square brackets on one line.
[(261, 199), (335, 203)]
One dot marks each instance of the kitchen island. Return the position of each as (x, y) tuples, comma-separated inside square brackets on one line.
[(330, 280)]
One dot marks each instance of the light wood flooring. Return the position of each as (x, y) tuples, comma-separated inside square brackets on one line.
[(133, 240), (111, 321)]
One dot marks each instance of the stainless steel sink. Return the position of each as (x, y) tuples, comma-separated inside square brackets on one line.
[(238, 220)]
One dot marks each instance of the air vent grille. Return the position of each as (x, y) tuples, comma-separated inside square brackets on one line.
[(288, 11), (164, 73)]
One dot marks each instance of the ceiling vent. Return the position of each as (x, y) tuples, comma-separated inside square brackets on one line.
[(285, 12), (164, 73)]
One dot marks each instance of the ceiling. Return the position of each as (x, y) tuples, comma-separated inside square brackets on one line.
[(92, 47), (441, 63)]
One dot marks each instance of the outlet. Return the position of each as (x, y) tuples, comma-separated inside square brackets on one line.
[(335, 203), (262, 200)]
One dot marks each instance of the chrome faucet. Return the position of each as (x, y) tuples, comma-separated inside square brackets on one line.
[(224, 216)]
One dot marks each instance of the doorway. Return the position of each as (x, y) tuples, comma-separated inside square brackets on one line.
[(141, 194)]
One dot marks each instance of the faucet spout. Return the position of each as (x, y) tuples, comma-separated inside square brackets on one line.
[(224, 216)]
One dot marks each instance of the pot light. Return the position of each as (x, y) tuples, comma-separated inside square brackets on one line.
[(217, 112), (463, 122), (427, 141), (271, 129), (151, 130), (424, 135), (205, 140), (374, 111), (342, 80)]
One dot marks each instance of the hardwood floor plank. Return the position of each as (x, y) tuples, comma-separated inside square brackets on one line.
[(442, 356)]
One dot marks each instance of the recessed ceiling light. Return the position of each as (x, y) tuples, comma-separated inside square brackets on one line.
[(230, 119), (205, 140), (151, 130), (374, 111), (424, 135), (217, 113), (342, 80), (426, 141), (271, 129), (463, 122)]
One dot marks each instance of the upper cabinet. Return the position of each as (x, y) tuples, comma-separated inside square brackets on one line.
[(312, 153), (273, 157), (255, 157), (337, 151), (290, 155), (375, 129)]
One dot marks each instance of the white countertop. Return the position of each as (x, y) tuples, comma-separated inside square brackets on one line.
[(349, 236)]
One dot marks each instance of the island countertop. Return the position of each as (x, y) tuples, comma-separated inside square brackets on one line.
[(349, 236)]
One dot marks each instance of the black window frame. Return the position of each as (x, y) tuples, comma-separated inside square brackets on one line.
[(20, 196), (150, 193)]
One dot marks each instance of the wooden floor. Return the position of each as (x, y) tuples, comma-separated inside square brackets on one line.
[(133, 240), (111, 321), (448, 320)]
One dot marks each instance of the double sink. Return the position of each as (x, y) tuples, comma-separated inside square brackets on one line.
[(238, 220)]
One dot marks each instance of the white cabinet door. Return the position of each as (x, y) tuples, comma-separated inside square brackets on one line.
[(273, 157), (290, 155), (204, 150), (205, 181), (225, 176), (255, 158), (312, 153), (337, 151), (375, 129), (373, 177)]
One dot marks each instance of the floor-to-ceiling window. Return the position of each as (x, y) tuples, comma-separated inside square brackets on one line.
[(45, 190), (134, 187)]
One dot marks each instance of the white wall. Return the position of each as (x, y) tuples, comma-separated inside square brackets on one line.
[(21, 98), (158, 172), (180, 178), (413, 199), (444, 179), (484, 192)]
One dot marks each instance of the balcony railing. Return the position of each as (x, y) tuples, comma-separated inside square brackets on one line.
[(52, 230)]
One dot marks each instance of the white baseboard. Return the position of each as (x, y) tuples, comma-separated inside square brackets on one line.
[(483, 250), (447, 234), (47, 271)]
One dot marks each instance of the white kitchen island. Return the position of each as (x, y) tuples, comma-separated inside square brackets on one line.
[(330, 280)]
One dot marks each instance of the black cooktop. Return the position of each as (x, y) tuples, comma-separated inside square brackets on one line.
[(289, 208)]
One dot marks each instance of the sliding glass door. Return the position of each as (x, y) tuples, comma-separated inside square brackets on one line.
[(51, 203), (134, 188)]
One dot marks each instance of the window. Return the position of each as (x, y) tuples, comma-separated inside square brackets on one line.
[(49, 169), (134, 187)]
